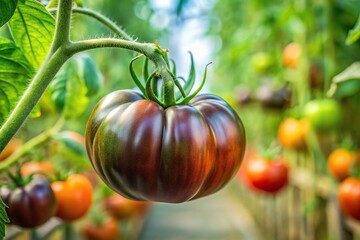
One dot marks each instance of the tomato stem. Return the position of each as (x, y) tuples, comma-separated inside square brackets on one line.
[(105, 21), (68, 231), (34, 234), (62, 27), (61, 50), (30, 97)]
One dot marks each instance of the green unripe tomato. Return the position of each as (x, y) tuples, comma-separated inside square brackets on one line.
[(261, 61), (323, 114)]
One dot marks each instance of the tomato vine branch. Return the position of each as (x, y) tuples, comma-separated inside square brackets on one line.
[(62, 48), (62, 27), (105, 21), (34, 142)]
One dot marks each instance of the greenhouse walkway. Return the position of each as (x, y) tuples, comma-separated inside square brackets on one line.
[(216, 217)]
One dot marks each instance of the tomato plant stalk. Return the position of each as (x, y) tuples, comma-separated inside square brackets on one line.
[(62, 48)]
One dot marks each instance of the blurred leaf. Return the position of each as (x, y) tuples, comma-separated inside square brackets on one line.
[(3, 219), (74, 84), (90, 73), (32, 27), (346, 83), (7, 10), (351, 72), (354, 34), (15, 73), (79, 3), (72, 141)]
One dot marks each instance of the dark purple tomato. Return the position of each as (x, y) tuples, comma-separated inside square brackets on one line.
[(31, 205), (146, 152)]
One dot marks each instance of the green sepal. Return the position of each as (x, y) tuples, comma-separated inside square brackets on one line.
[(178, 85), (134, 77), (146, 68), (189, 83), (188, 98), (154, 85), (149, 91), (174, 67)]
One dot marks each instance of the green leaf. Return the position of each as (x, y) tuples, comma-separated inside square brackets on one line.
[(71, 143), (32, 28), (7, 10), (15, 74), (346, 83), (354, 34), (74, 84), (90, 73), (3, 219)]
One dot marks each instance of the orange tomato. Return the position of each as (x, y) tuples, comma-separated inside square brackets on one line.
[(74, 197), (292, 133), (122, 208), (107, 230), (44, 168), (339, 163), (10, 148), (291, 55)]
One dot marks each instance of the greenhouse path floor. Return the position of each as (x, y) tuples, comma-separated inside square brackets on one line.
[(216, 217)]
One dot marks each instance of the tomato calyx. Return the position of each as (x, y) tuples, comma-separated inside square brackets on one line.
[(269, 154), (161, 89), (17, 180)]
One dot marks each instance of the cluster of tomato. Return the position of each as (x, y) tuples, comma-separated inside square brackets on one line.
[(32, 198), (342, 164), (319, 117)]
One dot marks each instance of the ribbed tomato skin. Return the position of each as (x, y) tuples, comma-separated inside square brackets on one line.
[(146, 152)]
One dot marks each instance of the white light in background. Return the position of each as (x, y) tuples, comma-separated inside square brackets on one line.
[(188, 36)]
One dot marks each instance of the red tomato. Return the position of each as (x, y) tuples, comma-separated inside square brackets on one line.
[(267, 175), (349, 197), (291, 55), (339, 163), (44, 168), (292, 133), (107, 230), (74, 197), (123, 208)]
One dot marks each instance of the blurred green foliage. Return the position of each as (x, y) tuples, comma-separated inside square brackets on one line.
[(246, 28)]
